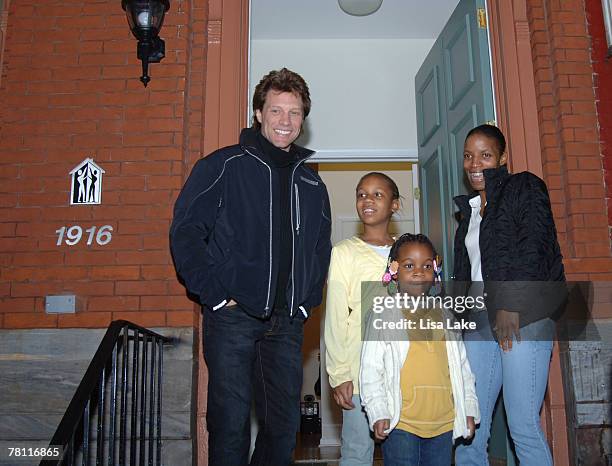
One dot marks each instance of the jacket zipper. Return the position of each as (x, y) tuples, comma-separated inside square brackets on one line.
[(267, 308), (293, 240)]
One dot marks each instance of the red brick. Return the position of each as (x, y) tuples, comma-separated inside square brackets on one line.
[(75, 257), (592, 265), (17, 305), (90, 288), (66, 216), (113, 303), (156, 242), (65, 273), (584, 176), (165, 153), (146, 197), (38, 258), (144, 319), (30, 320), (125, 183), (593, 191), (125, 243), (162, 211), (148, 140), (588, 235), (165, 303), (126, 227), (597, 250), (163, 272), (7, 229), (141, 288), (583, 148), (85, 320), (164, 182), (125, 272), (182, 319), (106, 213)]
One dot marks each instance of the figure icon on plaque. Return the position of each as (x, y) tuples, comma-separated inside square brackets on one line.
[(86, 185)]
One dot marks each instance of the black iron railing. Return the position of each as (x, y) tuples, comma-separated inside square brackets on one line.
[(114, 417)]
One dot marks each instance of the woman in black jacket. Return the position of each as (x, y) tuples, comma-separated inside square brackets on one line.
[(506, 243)]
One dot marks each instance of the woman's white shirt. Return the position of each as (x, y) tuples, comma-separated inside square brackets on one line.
[(472, 239)]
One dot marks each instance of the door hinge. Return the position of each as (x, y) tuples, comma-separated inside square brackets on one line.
[(482, 18), (417, 193), (491, 122)]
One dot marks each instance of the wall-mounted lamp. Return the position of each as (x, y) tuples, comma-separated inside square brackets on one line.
[(360, 7), (146, 18)]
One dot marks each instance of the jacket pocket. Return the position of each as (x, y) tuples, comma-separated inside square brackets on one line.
[(298, 214)]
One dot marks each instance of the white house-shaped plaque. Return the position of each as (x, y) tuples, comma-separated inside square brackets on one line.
[(86, 185)]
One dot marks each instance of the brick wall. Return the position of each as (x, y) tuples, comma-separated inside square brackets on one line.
[(70, 90), (571, 151), (602, 67)]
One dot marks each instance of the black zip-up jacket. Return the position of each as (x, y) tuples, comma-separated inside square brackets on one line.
[(521, 261), (222, 232)]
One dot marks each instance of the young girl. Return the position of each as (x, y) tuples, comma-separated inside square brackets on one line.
[(416, 385), (353, 261)]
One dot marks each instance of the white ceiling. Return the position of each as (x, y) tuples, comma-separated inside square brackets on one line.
[(308, 19)]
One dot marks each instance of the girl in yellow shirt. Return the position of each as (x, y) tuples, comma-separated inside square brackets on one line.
[(356, 261)]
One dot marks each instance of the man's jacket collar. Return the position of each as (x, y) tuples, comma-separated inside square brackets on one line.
[(248, 141)]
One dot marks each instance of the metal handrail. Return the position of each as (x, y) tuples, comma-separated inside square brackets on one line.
[(95, 401)]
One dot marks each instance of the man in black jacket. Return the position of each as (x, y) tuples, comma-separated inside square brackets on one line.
[(251, 238)]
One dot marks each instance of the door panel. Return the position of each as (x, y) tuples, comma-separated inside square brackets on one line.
[(428, 104), (454, 94), (433, 178), (459, 62)]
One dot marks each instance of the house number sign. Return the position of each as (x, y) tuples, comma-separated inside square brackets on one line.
[(85, 189)]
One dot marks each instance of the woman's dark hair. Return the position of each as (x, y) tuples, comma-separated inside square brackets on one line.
[(282, 80), (492, 132), (392, 184), (407, 238)]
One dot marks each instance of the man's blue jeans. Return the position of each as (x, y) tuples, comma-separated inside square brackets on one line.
[(250, 358), (402, 448), (523, 373)]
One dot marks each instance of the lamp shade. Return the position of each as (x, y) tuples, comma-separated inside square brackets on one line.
[(360, 7), (145, 17)]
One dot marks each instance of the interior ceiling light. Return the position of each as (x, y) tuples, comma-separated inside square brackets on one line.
[(360, 7)]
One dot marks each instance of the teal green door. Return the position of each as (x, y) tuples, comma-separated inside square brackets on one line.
[(453, 94)]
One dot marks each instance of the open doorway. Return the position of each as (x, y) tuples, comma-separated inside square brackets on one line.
[(361, 73)]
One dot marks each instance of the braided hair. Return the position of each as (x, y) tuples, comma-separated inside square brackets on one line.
[(408, 238)]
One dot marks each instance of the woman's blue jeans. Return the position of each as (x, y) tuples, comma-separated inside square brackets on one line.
[(523, 375)]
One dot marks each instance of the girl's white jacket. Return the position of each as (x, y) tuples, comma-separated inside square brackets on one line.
[(381, 362)]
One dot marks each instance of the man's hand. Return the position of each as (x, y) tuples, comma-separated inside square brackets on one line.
[(343, 395), (506, 326), (379, 429), (471, 425)]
